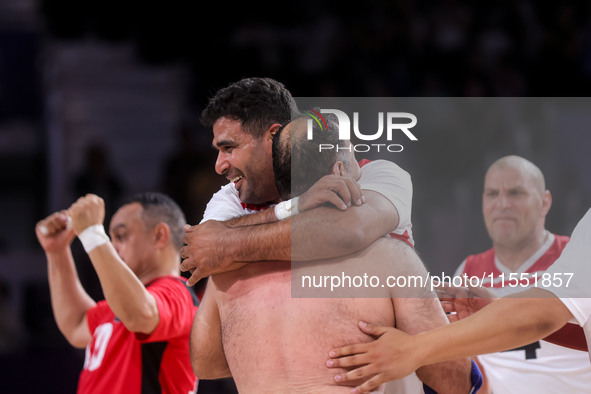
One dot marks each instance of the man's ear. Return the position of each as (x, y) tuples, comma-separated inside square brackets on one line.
[(161, 234), (546, 202), (338, 168), (273, 129)]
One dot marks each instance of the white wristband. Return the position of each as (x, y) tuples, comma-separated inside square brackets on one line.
[(288, 208), (93, 237)]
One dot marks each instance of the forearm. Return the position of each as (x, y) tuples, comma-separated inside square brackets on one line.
[(327, 232), (504, 324), (69, 300), (266, 216), (319, 233), (314, 235), (124, 292), (270, 241)]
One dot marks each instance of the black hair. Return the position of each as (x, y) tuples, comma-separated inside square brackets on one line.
[(256, 102), (282, 164)]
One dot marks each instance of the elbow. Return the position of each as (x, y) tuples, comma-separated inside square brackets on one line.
[(451, 377), (545, 324), (73, 335), (206, 372), (77, 343), (353, 238), (142, 320), (202, 368)]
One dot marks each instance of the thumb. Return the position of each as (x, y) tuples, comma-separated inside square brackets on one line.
[(189, 228), (371, 329)]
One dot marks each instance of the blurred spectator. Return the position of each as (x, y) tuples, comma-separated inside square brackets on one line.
[(98, 177), (12, 334), (188, 177)]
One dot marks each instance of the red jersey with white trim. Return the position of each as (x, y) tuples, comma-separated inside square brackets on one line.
[(486, 266), (540, 367), (120, 361)]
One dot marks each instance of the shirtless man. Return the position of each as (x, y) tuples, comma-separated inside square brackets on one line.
[(249, 317)]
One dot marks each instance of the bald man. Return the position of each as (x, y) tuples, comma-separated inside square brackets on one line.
[(515, 203)]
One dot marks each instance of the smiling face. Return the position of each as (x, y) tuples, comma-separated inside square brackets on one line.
[(514, 205), (245, 160)]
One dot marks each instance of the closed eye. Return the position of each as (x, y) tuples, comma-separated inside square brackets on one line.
[(227, 148), (119, 237)]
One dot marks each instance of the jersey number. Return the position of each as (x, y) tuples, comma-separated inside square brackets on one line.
[(94, 356), (530, 350)]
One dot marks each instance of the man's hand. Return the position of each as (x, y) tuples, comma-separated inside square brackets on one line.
[(87, 211), (203, 254), (340, 191), (391, 356), (461, 302), (57, 234)]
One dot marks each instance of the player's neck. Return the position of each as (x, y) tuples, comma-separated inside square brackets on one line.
[(513, 256), (150, 276), (165, 265)]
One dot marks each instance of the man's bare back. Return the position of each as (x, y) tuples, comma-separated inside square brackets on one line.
[(275, 343)]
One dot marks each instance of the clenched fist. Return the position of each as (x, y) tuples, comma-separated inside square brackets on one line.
[(57, 234), (87, 211)]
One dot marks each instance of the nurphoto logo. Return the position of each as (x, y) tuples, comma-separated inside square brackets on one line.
[(392, 126)]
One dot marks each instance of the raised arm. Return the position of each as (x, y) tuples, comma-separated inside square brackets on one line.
[(207, 353), (69, 300), (124, 292)]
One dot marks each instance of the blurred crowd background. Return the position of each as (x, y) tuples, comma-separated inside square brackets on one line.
[(105, 96)]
